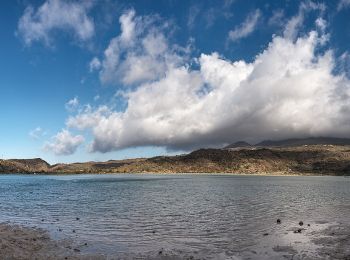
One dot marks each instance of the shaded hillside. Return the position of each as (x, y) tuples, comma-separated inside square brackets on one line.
[(306, 141), (314, 159), (240, 144), (293, 142)]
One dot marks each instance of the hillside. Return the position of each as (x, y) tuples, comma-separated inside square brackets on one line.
[(294, 142), (312, 159)]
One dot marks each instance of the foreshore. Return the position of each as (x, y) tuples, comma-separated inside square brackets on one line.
[(22, 243), (316, 241)]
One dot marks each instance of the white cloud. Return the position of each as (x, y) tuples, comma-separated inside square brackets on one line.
[(94, 64), (293, 25), (246, 28), (277, 18), (140, 53), (193, 13), (72, 104), (280, 94), (343, 4), (37, 133), (64, 143), (38, 25), (288, 90)]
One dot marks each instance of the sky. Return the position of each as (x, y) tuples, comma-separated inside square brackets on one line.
[(99, 80)]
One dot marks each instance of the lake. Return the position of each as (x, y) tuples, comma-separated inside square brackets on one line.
[(200, 215)]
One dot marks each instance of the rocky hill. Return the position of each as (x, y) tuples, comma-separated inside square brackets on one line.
[(300, 160)]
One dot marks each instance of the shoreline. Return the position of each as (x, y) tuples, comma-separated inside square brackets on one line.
[(178, 173), (316, 241)]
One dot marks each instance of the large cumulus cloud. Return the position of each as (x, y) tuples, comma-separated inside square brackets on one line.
[(288, 90)]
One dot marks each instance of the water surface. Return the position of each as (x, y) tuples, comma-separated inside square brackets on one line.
[(201, 215)]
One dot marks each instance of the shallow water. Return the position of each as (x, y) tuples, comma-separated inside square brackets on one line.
[(199, 215)]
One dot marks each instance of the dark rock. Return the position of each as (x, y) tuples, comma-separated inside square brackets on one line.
[(301, 223), (265, 234), (278, 221), (77, 218), (308, 225), (76, 250), (73, 230), (153, 231), (299, 230), (85, 244)]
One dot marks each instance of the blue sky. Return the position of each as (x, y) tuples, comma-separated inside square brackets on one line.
[(99, 80)]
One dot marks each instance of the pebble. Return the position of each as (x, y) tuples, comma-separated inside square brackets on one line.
[(278, 221), (265, 234), (301, 223)]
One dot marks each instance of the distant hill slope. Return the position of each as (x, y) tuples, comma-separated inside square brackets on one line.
[(24, 165), (299, 160), (305, 141), (239, 144), (294, 142)]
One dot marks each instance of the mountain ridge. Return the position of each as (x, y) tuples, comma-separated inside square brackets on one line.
[(293, 142), (296, 160)]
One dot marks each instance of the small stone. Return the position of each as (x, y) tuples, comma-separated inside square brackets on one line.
[(76, 250), (301, 223), (265, 234), (85, 244), (299, 230), (278, 221), (77, 218), (153, 231), (73, 230), (308, 225)]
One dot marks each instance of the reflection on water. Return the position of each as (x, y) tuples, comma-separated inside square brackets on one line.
[(137, 213)]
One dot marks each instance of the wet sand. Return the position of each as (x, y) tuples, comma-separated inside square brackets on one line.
[(318, 240), (18, 242)]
